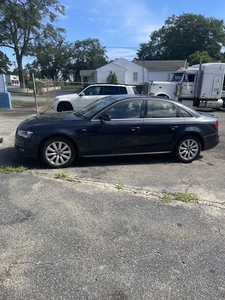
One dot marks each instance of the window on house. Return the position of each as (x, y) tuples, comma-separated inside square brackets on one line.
[(135, 76)]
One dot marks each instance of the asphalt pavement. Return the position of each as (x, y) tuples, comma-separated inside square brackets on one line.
[(102, 229)]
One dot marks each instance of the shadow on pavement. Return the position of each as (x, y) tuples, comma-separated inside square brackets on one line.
[(9, 157)]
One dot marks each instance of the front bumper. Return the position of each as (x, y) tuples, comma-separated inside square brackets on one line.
[(26, 147)]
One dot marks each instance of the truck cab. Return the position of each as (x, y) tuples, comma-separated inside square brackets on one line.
[(198, 85)]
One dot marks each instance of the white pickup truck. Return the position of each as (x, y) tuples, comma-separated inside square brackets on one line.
[(90, 94)]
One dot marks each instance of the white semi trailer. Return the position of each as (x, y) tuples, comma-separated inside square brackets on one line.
[(199, 86)]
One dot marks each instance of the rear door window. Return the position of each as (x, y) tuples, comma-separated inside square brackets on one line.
[(161, 109), (109, 90)]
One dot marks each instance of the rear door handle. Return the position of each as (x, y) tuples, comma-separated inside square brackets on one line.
[(135, 128), (174, 127)]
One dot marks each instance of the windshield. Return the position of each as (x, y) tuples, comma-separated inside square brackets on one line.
[(177, 76), (94, 107)]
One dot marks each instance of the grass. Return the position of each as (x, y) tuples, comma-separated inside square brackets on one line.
[(119, 186), (10, 170), (24, 95), (21, 103), (61, 175), (178, 196)]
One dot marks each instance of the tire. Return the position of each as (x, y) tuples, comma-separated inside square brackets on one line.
[(188, 149), (64, 106), (58, 152)]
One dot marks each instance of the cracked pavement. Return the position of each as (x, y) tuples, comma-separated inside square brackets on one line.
[(103, 232)]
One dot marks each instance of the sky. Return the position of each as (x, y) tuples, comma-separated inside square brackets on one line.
[(122, 25)]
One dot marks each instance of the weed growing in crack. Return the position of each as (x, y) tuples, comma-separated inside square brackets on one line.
[(119, 186), (61, 175), (10, 169), (178, 196)]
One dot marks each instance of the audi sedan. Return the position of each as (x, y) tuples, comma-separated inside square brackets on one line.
[(115, 126)]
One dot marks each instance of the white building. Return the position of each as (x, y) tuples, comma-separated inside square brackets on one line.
[(12, 79), (136, 72), (127, 72)]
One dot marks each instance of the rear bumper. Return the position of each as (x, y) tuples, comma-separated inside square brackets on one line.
[(210, 141)]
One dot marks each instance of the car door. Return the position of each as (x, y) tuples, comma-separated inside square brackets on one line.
[(188, 86), (89, 95), (162, 126), (121, 133)]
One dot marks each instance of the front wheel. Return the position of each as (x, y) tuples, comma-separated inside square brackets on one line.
[(58, 152), (64, 106), (188, 149)]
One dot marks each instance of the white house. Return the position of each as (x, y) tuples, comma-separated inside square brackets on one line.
[(136, 72), (127, 72)]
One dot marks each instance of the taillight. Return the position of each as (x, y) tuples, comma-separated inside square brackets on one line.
[(216, 125)]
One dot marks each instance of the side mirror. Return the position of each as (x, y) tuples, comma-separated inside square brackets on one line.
[(104, 118), (81, 94)]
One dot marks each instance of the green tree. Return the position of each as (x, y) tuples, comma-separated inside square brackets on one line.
[(5, 63), (112, 78), (182, 36), (25, 22), (53, 59), (87, 55), (194, 58)]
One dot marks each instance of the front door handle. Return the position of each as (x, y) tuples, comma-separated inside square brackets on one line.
[(135, 128), (174, 127)]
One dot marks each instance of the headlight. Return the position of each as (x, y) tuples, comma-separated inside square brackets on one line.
[(25, 134)]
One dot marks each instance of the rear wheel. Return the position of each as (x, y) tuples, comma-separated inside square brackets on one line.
[(188, 149), (64, 106), (58, 152)]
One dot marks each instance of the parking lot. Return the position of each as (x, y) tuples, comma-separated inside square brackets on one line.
[(102, 229)]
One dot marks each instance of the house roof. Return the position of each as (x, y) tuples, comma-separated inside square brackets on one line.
[(86, 73), (161, 65)]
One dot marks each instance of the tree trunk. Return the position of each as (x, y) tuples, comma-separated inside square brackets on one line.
[(19, 59)]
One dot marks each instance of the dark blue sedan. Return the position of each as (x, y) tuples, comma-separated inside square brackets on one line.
[(118, 125)]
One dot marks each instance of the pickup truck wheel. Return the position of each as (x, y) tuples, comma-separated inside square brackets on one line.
[(187, 149), (58, 152), (64, 106)]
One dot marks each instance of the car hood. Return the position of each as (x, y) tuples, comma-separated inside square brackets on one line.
[(67, 96), (50, 119)]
